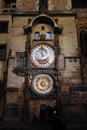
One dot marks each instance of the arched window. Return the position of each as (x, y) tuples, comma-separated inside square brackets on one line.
[(83, 42)]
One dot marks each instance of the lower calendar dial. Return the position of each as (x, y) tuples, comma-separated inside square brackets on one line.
[(42, 84)]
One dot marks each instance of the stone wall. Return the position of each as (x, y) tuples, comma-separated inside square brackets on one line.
[(5, 39), (68, 65), (74, 101), (53, 5), (59, 5), (13, 77), (69, 61), (0, 3), (27, 5), (13, 109), (18, 40)]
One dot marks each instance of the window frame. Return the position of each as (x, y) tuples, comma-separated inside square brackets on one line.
[(43, 6), (10, 1), (82, 43), (4, 26), (37, 33), (79, 4), (1, 55), (48, 35), (20, 55)]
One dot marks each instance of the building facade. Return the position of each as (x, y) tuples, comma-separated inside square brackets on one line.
[(43, 58)]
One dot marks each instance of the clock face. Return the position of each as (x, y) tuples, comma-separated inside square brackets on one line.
[(42, 84), (42, 55)]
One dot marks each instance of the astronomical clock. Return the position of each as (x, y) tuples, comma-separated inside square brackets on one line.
[(42, 56), (42, 64)]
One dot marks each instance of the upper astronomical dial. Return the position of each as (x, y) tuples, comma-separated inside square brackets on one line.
[(42, 55)]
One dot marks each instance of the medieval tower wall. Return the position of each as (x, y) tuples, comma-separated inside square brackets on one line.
[(22, 18)]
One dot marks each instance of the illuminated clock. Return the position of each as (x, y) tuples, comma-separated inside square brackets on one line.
[(42, 84), (42, 55)]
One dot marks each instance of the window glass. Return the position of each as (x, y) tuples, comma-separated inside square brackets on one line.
[(3, 26), (48, 35), (2, 52), (83, 42), (43, 6), (20, 59), (10, 1), (79, 3), (37, 35), (21, 62), (9, 4)]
